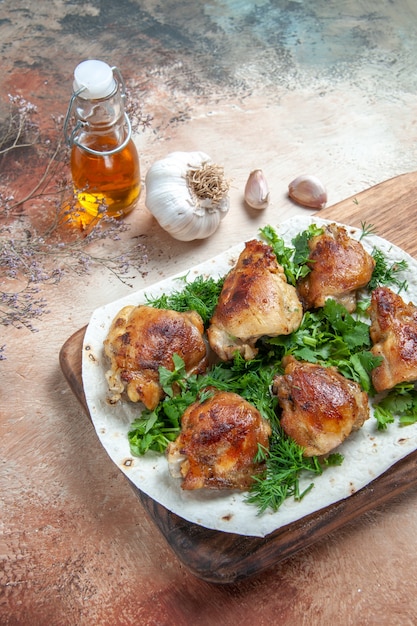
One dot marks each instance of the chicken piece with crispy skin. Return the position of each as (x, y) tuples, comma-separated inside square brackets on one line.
[(255, 301), (394, 336), (339, 266), (320, 407), (218, 442), (140, 340)]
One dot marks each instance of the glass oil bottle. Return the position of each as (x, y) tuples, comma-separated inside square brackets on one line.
[(104, 161)]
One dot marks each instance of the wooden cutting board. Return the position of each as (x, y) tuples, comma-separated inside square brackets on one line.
[(220, 557)]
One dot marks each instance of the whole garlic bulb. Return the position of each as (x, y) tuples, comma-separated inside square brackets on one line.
[(308, 191), (187, 194)]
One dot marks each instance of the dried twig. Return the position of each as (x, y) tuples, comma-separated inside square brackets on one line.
[(33, 259)]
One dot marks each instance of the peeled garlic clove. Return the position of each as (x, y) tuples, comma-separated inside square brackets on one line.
[(308, 191), (256, 190)]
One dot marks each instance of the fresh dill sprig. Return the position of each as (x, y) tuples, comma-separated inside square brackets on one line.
[(284, 463), (250, 379), (200, 295), (385, 273), (367, 229)]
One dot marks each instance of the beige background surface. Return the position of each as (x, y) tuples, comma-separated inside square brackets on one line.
[(328, 90)]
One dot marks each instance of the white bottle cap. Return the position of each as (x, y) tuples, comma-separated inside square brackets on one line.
[(95, 78)]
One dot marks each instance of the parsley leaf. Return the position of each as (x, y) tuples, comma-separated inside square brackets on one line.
[(154, 429), (331, 336), (293, 260), (300, 243), (148, 433), (383, 417), (400, 401), (333, 460), (169, 378)]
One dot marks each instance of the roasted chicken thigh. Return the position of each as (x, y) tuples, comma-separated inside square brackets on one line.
[(218, 442), (255, 301), (339, 266), (320, 407), (394, 335), (140, 340)]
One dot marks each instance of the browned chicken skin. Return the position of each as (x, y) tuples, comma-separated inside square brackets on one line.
[(320, 407), (339, 266), (255, 301), (218, 442), (394, 335), (141, 339)]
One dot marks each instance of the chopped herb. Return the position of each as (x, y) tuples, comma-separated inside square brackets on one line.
[(168, 379), (283, 253), (359, 368)]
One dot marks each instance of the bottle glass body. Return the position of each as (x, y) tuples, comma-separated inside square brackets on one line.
[(104, 184)]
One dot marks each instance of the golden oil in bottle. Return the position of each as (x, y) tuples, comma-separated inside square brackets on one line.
[(104, 161), (109, 185)]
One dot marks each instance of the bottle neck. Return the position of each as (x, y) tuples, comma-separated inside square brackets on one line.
[(101, 113), (102, 127)]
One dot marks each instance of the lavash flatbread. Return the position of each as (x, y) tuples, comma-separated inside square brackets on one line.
[(368, 453)]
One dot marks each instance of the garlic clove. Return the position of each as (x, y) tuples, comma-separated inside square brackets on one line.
[(256, 190), (308, 191)]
